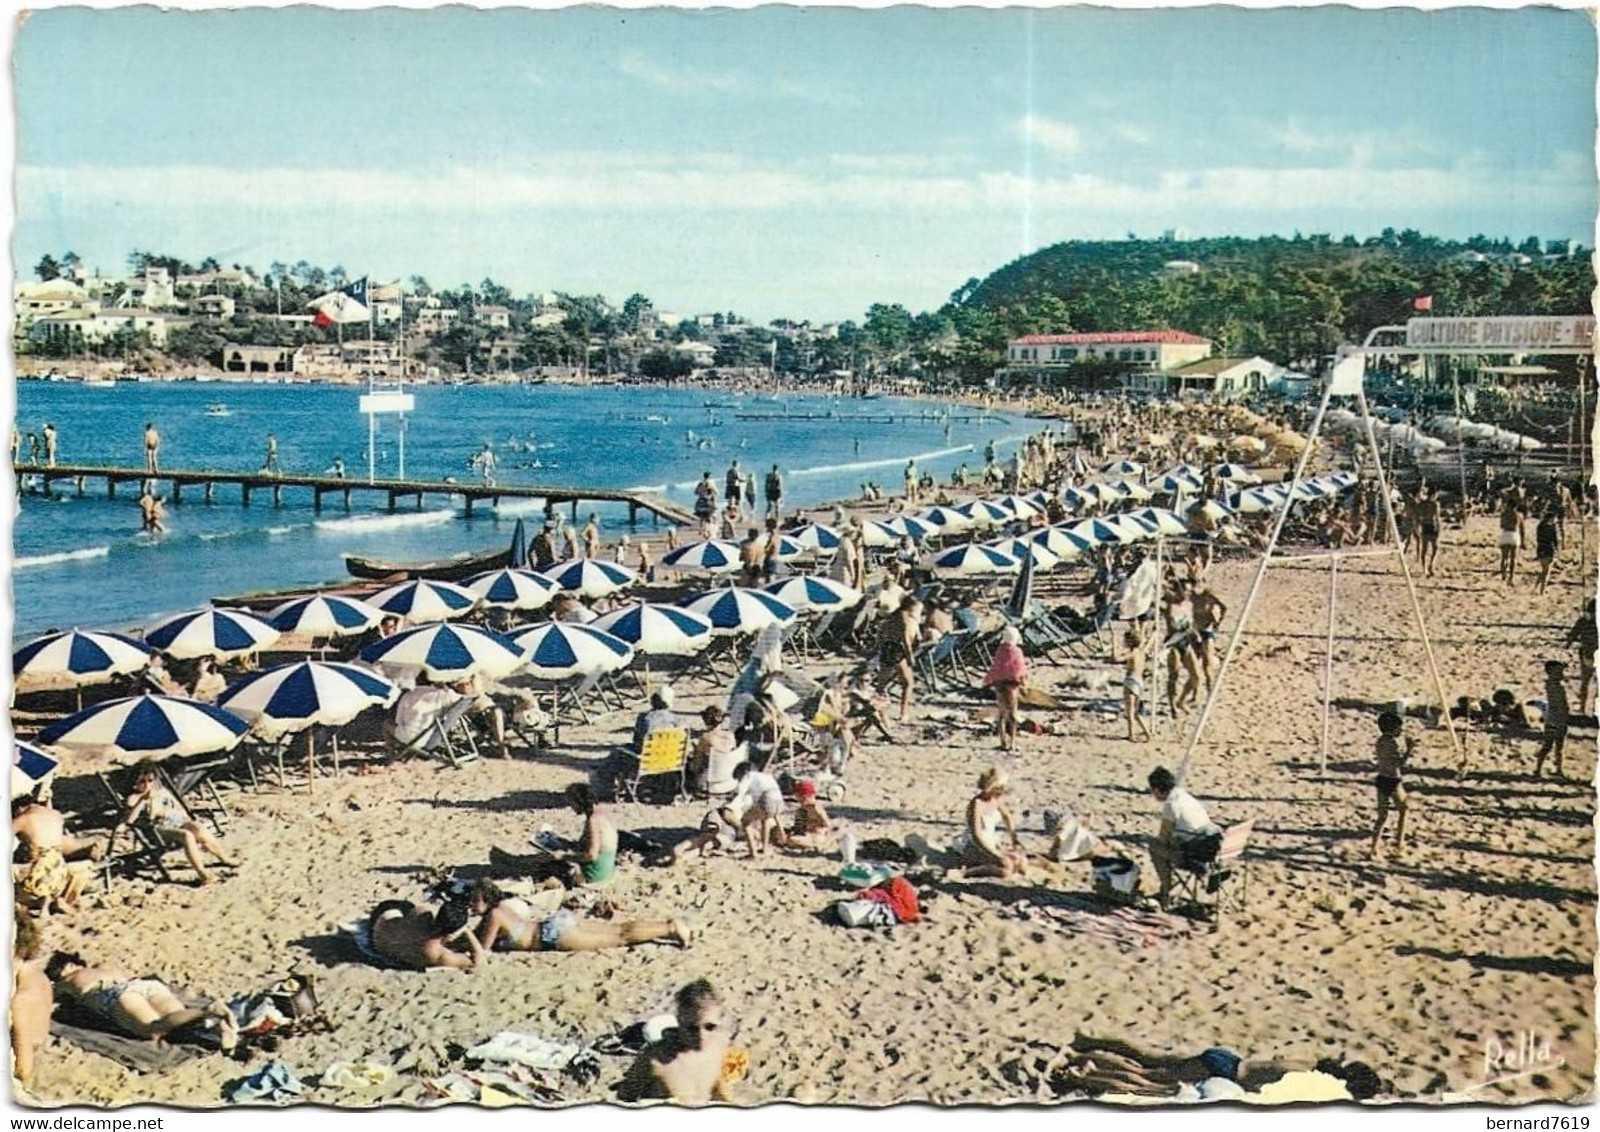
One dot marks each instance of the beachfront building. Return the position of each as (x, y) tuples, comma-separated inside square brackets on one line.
[(700, 354), (436, 319), (1224, 377), (213, 306), (151, 289), (33, 301), (101, 326), (257, 359), (496, 317), (1050, 358)]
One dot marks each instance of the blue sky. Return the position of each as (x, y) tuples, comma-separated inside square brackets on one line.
[(777, 161)]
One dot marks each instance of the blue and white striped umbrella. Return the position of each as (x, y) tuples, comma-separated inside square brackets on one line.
[(561, 649), (1343, 479), (1062, 543), (808, 591), (889, 532), (1122, 468), (1126, 489), (1161, 521), (1181, 478), (789, 548), (220, 633), (1136, 529), (713, 556), (148, 726), (657, 630), (1020, 548), (29, 768), (1309, 490), (1076, 499), (815, 536), (449, 652), (513, 589), (983, 513), (1020, 506), (324, 615), (591, 577), (424, 599), (1099, 531), (972, 559), (77, 658), (1256, 500), (946, 520), (739, 610), (1235, 473), (292, 697)]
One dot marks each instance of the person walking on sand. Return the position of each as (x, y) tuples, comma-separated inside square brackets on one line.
[(1556, 717), (1511, 516), (1391, 759), (1006, 677), (1585, 635), (1425, 512), (774, 494), (1546, 542), (50, 444), (152, 448), (733, 485), (1133, 685), (591, 537), (1209, 611), (270, 463)]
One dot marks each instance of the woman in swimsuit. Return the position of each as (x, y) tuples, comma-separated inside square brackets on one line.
[(1007, 674), (596, 858), (985, 854), (509, 924), (896, 643), (172, 822), (145, 1008)]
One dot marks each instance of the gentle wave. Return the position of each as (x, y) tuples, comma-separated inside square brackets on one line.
[(888, 462), (362, 524), (519, 507), (82, 555)]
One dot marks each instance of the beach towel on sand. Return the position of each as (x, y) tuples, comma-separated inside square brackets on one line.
[(88, 1031)]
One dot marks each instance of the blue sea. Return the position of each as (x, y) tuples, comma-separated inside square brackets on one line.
[(84, 562)]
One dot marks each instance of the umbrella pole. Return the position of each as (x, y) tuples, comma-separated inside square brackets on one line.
[(1327, 670), (311, 763)]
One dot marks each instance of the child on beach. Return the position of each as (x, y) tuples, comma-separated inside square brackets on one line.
[(1556, 714), (1391, 760), (811, 825), (1133, 684)]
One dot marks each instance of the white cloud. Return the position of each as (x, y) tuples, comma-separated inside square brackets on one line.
[(638, 66), (1361, 147), (1049, 134)]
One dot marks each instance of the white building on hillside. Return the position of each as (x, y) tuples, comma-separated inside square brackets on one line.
[(1047, 355)]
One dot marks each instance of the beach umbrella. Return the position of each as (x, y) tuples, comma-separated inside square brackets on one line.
[(1025, 549), (946, 520), (29, 768), (591, 577), (447, 652), (1129, 489), (1122, 468), (558, 650), (1235, 473), (904, 525), (1076, 498), (511, 588), (424, 599), (878, 533), (807, 591), (815, 536), (713, 556), (1178, 480), (1343, 479), (77, 658), (1308, 490), (1020, 506), (220, 633), (1163, 521), (739, 610), (324, 615), (517, 556), (1061, 542), (657, 630), (1254, 501), (1133, 529), (313, 693), (984, 513), (1099, 531), (790, 548), (148, 726), (971, 560)]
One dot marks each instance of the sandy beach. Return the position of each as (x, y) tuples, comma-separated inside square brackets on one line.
[(1482, 932)]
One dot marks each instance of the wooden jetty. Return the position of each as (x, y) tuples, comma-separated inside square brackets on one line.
[(319, 486)]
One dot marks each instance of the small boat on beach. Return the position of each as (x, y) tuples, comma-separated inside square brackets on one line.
[(438, 569)]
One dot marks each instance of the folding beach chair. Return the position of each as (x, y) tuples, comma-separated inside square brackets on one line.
[(194, 781), (445, 737), (665, 754), (1216, 870), (942, 658)]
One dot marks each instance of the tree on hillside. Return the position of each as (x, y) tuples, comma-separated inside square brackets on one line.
[(633, 309), (47, 268), (665, 365)]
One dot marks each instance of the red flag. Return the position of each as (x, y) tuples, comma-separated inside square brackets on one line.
[(322, 319), (1422, 303)]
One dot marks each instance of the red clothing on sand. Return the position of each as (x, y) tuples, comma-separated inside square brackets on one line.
[(899, 895), (1009, 667)]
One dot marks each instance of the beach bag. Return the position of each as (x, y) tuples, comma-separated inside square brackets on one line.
[(864, 914), (1116, 876)]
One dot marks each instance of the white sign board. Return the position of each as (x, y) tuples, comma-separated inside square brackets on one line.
[(1347, 374), (387, 402), (1518, 333)]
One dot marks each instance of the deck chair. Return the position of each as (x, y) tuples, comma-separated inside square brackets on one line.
[(1220, 873), (148, 848), (942, 658), (447, 737), (665, 754)]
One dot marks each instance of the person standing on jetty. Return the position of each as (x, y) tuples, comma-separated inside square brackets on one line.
[(774, 494), (152, 448), (270, 464), (50, 444)]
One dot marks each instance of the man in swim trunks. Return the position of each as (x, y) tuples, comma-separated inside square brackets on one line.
[(1425, 512), (412, 936), (1208, 610), (152, 448), (687, 1064)]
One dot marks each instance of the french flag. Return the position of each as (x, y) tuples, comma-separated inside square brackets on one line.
[(1422, 303), (348, 304)]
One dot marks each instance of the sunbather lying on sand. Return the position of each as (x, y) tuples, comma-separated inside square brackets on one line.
[(143, 1007), (509, 924), (687, 1064), (410, 935), (1104, 1065)]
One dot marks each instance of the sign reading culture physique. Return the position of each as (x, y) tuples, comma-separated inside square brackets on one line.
[(1525, 332)]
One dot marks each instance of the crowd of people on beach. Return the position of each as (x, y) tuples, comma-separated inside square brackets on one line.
[(769, 752)]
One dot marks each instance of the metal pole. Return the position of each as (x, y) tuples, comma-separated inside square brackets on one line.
[(1584, 439), (402, 471), (1461, 444), (1255, 585), (372, 447), (1411, 588), (1327, 671)]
